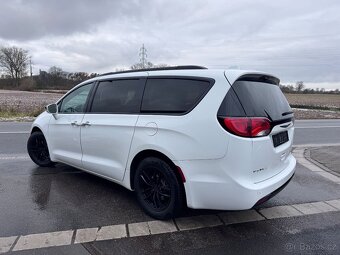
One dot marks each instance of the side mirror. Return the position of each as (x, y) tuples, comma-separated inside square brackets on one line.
[(53, 109)]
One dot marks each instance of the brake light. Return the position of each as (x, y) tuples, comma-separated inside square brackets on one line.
[(247, 127)]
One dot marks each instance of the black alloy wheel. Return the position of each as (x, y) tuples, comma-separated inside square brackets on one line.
[(38, 150), (157, 188)]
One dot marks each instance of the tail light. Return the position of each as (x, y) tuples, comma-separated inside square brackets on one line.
[(246, 127)]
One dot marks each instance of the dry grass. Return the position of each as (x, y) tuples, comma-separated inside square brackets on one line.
[(315, 106), (316, 100), (23, 103)]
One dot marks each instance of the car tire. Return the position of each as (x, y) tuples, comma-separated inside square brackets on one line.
[(157, 189), (38, 150)]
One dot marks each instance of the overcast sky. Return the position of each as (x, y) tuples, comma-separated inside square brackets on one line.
[(295, 40)]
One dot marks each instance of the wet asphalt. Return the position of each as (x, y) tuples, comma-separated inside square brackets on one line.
[(36, 200), (314, 234)]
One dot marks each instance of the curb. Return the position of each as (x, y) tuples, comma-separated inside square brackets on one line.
[(156, 227), (308, 157), (300, 155)]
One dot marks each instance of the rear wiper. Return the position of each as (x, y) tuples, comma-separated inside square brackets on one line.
[(286, 113), (268, 116)]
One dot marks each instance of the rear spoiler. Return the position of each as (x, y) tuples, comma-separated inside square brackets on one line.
[(259, 78), (234, 75)]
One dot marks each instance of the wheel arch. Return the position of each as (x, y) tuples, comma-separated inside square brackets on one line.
[(36, 129), (154, 153)]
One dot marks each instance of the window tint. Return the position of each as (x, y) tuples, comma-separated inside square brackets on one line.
[(118, 96), (75, 101), (231, 106), (261, 99), (170, 95)]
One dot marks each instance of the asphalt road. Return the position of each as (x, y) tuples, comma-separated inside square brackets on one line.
[(14, 134), (317, 132), (38, 200)]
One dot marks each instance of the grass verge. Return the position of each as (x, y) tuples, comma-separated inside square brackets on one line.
[(12, 113)]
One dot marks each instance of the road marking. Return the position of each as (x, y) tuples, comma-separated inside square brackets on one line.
[(14, 132), (13, 156), (84, 235), (304, 146)]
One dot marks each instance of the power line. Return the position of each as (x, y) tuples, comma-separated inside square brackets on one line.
[(143, 56)]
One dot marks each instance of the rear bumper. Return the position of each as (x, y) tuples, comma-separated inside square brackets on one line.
[(274, 193), (209, 186)]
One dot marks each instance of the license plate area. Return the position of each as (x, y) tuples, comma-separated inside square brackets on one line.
[(280, 138)]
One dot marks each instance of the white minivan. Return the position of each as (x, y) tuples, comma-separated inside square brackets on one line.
[(176, 136)]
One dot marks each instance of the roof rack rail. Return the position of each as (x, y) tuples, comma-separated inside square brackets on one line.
[(188, 67)]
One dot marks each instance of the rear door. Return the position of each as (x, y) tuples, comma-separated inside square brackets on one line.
[(108, 127), (260, 96)]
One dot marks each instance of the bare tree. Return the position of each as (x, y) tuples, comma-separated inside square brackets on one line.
[(80, 76), (299, 86), (147, 65), (14, 62), (142, 66), (55, 76), (56, 71)]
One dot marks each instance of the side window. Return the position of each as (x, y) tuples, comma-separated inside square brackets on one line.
[(76, 100), (118, 96), (231, 106), (172, 95)]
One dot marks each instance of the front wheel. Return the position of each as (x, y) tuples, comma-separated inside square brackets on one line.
[(158, 190), (38, 150)]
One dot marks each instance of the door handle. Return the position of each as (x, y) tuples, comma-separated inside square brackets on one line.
[(87, 123), (75, 123)]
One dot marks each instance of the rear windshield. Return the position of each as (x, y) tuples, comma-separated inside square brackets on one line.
[(256, 99)]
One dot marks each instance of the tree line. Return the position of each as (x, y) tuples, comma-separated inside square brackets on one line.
[(15, 63), (300, 88)]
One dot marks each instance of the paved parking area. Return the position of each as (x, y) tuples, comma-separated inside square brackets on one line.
[(68, 237), (60, 207), (62, 210)]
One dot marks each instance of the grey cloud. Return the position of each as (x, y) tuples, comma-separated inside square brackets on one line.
[(296, 40), (23, 20)]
